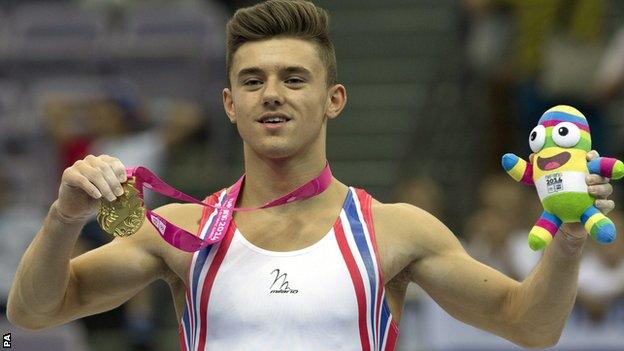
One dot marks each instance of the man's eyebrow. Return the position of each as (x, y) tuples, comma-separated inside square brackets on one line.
[(289, 69), (249, 70), (297, 69)]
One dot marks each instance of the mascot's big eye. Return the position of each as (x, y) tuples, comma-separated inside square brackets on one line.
[(566, 134), (537, 138)]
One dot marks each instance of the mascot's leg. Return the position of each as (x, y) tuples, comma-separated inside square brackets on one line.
[(543, 231), (598, 225)]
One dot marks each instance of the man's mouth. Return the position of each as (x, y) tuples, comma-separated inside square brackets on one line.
[(274, 118), (553, 162)]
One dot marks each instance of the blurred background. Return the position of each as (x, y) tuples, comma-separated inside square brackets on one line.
[(438, 91)]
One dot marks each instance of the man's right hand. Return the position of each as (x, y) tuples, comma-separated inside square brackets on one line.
[(52, 288), (85, 182)]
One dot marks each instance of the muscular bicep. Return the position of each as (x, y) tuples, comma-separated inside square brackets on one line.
[(467, 289), (108, 276)]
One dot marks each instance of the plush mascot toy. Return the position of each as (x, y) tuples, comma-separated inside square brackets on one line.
[(560, 143)]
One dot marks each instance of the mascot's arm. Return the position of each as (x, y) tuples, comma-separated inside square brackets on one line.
[(519, 169), (606, 167)]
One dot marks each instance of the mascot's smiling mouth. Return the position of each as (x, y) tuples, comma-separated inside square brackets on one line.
[(553, 162)]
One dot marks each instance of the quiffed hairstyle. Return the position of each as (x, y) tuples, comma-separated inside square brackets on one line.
[(282, 18)]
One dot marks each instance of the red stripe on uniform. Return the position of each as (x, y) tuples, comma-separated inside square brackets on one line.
[(366, 203), (183, 346), (365, 206), (393, 335), (206, 212), (358, 285), (209, 281), (212, 199)]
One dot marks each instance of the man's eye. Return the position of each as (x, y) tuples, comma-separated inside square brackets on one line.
[(252, 82), (294, 80)]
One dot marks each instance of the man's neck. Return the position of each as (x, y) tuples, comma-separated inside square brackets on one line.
[(268, 179)]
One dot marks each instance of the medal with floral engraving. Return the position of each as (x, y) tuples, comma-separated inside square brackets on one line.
[(125, 215)]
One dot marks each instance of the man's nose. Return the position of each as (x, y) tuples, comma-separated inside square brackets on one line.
[(272, 94)]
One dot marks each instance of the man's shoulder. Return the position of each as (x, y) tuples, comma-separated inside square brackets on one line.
[(409, 226), (404, 233), (402, 213), (397, 222), (185, 215), (179, 209)]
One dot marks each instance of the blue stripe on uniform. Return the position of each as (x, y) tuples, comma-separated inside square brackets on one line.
[(364, 250), (201, 259), (385, 319), (199, 264), (187, 327)]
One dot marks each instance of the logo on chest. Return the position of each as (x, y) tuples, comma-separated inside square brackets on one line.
[(280, 284), (554, 182)]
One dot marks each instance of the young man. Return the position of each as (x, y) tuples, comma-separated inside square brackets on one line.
[(325, 273)]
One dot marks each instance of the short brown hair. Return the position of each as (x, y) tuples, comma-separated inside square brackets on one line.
[(282, 18)]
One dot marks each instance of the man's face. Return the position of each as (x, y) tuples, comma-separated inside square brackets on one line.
[(279, 98)]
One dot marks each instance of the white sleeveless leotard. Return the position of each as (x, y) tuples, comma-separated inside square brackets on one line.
[(328, 296)]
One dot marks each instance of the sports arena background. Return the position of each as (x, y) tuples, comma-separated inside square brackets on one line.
[(438, 91)]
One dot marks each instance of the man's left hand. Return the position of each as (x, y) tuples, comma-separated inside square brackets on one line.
[(598, 187)]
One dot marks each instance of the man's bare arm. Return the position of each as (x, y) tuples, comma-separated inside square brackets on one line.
[(43, 272), (49, 289), (531, 313)]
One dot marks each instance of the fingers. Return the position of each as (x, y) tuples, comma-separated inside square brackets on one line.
[(594, 179), (592, 155), (118, 168), (74, 178), (107, 179), (605, 206), (98, 176), (600, 190)]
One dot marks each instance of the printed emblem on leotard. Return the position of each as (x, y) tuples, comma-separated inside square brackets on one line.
[(280, 284)]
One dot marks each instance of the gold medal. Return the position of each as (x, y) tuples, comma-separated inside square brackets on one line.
[(125, 215)]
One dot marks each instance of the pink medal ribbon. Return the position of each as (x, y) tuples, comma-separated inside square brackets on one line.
[(186, 241)]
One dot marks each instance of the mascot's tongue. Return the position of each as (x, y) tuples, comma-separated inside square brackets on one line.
[(553, 162), (551, 165)]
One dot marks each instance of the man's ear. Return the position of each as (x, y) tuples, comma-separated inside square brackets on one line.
[(336, 101), (228, 105)]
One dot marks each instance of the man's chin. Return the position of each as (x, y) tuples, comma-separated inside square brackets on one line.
[(274, 151)]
